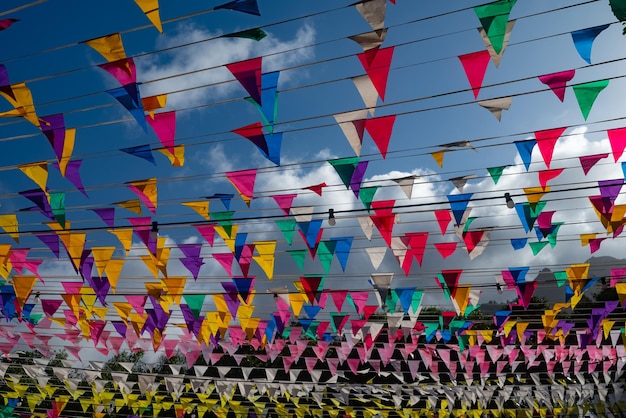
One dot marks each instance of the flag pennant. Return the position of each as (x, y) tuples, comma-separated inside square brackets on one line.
[(475, 66), (53, 127), (37, 172), (367, 90), (164, 126), (557, 82), (446, 249), (268, 145), (201, 207), (546, 141), (351, 171), (525, 150), (380, 130), (546, 175), (151, 9), (255, 34), (285, 201), (384, 219), (316, 188), (312, 286), (248, 73), (458, 204), (6, 23), (588, 161), (9, 224), (110, 47), (21, 98), (496, 57), (449, 279), (525, 292), (244, 286), (146, 190), (152, 103), (617, 138), (225, 198), (370, 40), (443, 219), (41, 199), (51, 241), (265, 257), (583, 40), (269, 98), (352, 125), (528, 213), (311, 232), (587, 93), (129, 97), (416, 245), (72, 173), (494, 17), (373, 11), (243, 181), (141, 151), (123, 70), (244, 6), (192, 259), (376, 63), (496, 106), (342, 250)]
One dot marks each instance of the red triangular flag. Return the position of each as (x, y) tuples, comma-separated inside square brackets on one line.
[(376, 63), (588, 161), (475, 65), (546, 140), (617, 138), (546, 175), (380, 130), (446, 249)]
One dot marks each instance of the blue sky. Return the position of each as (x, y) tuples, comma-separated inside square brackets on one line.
[(315, 87)]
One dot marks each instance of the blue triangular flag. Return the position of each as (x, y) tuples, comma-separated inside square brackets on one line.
[(525, 150), (245, 6), (518, 243), (458, 204), (141, 151), (583, 40), (342, 250)]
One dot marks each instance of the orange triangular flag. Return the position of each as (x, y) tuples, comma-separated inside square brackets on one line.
[(37, 172), (125, 235), (23, 285), (110, 47), (151, 10), (201, 207)]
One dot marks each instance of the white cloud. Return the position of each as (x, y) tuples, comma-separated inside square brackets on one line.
[(197, 69)]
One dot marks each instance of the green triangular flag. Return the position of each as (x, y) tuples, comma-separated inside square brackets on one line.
[(287, 227), (366, 194), (496, 173), (325, 255), (195, 303), (298, 256), (416, 300), (552, 235), (256, 34), (57, 204), (224, 219), (537, 246), (345, 168), (587, 93), (561, 277), (494, 17)]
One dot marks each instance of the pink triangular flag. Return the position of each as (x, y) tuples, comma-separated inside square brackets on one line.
[(376, 63), (208, 232), (546, 140), (475, 66), (164, 126), (557, 82), (617, 138), (226, 261), (243, 181), (285, 201), (380, 130)]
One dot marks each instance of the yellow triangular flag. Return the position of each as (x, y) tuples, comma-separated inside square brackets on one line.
[(37, 172), (101, 257), (265, 259), (23, 285), (9, 224), (177, 159), (132, 205), (147, 192), (110, 47), (68, 149), (151, 9), (201, 207), (125, 236), (113, 270), (438, 156)]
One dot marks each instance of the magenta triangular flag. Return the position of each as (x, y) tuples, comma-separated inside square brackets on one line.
[(588, 161), (557, 82), (617, 138), (284, 202), (248, 73), (475, 66), (164, 126), (226, 261), (243, 181)]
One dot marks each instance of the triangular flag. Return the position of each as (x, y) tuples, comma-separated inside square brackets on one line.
[(367, 90), (494, 17), (546, 140), (370, 40), (151, 10), (201, 207), (164, 126), (373, 11), (496, 173), (244, 6), (147, 192), (588, 161), (617, 138), (110, 47), (475, 66), (496, 106), (141, 151), (587, 93), (496, 57), (243, 181), (268, 145), (248, 73), (583, 40), (37, 172), (380, 129), (353, 125), (256, 34), (525, 150), (376, 63), (557, 82)]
